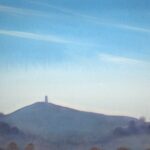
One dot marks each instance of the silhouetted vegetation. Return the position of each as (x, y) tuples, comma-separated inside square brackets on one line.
[(1, 115), (29, 147), (133, 128), (95, 148), (122, 148), (12, 146), (6, 129)]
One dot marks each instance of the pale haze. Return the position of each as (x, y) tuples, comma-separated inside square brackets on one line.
[(91, 55)]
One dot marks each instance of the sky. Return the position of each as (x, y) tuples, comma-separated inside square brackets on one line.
[(91, 55)]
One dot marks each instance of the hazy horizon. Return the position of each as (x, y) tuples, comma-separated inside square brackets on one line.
[(88, 55)]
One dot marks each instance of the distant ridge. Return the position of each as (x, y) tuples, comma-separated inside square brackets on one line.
[(59, 123)]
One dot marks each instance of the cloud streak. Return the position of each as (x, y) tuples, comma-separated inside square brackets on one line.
[(63, 10), (34, 36), (22, 11), (132, 28), (92, 19), (118, 59)]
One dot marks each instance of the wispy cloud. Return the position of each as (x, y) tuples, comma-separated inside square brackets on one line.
[(64, 10), (89, 18), (118, 59), (34, 36), (132, 28), (93, 19), (22, 11)]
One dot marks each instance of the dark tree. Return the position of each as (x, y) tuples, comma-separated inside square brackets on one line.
[(1, 115), (4, 128), (29, 147), (122, 148), (95, 148), (12, 146)]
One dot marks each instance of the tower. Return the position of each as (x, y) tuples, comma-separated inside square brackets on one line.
[(46, 99)]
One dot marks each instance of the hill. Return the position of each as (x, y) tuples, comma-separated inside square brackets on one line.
[(58, 123)]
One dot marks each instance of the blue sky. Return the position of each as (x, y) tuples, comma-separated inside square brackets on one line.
[(92, 55)]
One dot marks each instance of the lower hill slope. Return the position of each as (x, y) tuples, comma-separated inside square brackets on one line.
[(57, 123)]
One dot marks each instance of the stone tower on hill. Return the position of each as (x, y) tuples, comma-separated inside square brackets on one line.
[(46, 99)]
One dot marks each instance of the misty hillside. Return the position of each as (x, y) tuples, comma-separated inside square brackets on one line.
[(60, 123)]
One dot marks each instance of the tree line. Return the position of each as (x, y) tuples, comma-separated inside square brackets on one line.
[(14, 146), (120, 148)]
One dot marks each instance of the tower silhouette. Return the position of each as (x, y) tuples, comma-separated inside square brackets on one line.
[(46, 99)]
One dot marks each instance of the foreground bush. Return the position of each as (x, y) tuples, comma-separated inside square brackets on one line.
[(95, 148), (29, 147), (12, 146), (122, 148)]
